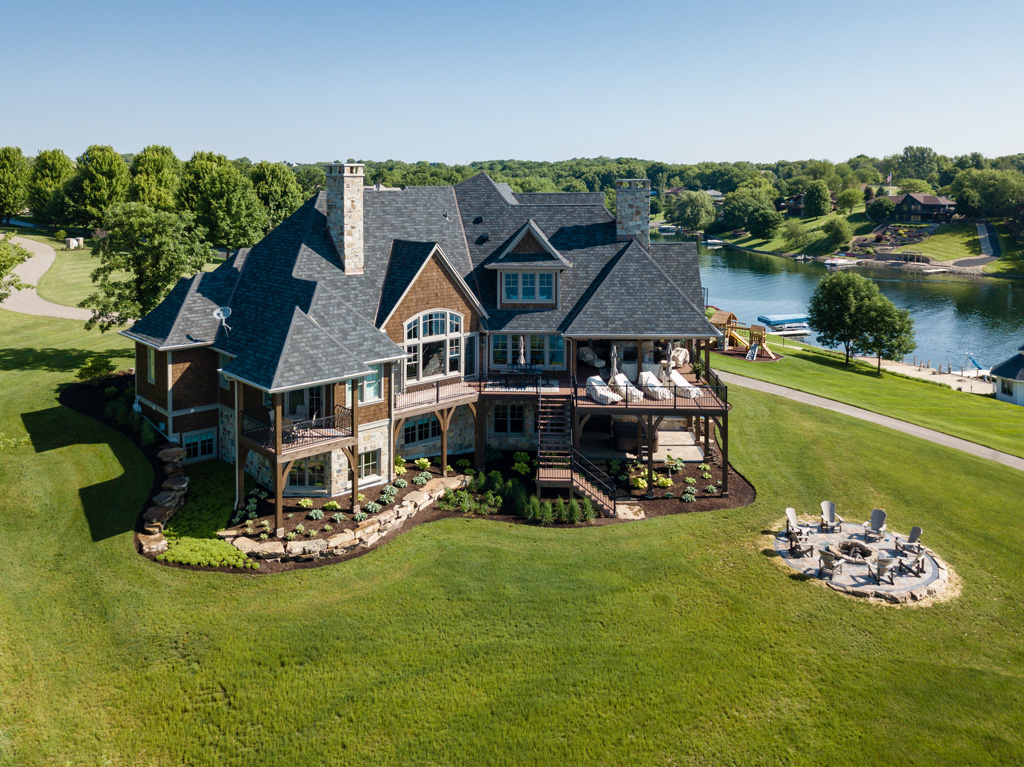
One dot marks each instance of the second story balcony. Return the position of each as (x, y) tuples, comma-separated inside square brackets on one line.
[(298, 435)]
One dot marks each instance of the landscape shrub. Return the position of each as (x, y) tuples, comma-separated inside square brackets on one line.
[(572, 512), (422, 463), (373, 507), (533, 508), (401, 482), (315, 514), (110, 392), (305, 503), (495, 481), (476, 484), (60, 234), (663, 482), (516, 499), (93, 368), (560, 510), (547, 513), (490, 503), (640, 483), (587, 510), (331, 506), (360, 516), (521, 468), (463, 463), (338, 518)]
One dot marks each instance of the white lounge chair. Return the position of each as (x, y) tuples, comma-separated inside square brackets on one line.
[(683, 387), (875, 527), (830, 521), (884, 568), (912, 545), (654, 388), (600, 392), (586, 354), (680, 356), (621, 386)]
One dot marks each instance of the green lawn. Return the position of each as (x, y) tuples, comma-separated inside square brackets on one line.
[(1011, 263), (858, 221), (979, 419), (949, 242), (671, 641)]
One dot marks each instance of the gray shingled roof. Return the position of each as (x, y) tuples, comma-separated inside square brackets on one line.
[(551, 256), (298, 318), (1012, 368)]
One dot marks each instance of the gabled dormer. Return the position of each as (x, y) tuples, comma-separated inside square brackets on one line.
[(528, 269)]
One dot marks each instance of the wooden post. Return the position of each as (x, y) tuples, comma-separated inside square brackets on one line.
[(639, 359), (725, 454), (707, 437), (707, 360), (444, 417), (278, 483), (239, 457), (354, 459)]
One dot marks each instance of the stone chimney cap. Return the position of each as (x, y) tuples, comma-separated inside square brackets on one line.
[(345, 169)]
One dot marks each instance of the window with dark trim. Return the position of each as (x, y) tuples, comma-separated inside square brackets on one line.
[(509, 418), (421, 429)]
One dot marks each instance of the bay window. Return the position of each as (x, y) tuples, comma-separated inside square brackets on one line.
[(434, 342)]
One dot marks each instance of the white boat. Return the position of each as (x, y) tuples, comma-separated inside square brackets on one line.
[(667, 229), (713, 243), (839, 263)]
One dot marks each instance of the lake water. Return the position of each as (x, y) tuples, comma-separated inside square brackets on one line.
[(953, 314)]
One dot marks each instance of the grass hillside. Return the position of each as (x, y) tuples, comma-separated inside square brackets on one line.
[(1011, 263), (857, 220), (676, 640), (949, 242)]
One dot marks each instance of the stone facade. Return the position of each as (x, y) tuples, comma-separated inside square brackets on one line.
[(633, 209), (345, 213), (372, 436), (525, 441), (461, 438)]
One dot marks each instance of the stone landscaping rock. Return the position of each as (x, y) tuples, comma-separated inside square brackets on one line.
[(227, 534), (269, 550), (173, 469), (158, 513), (243, 544), (171, 454), (178, 483), (368, 542), (386, 516), (153, 544), (344, 538), (368, 526), (167, 498), (306, 548), (417, 498), (152, 528)]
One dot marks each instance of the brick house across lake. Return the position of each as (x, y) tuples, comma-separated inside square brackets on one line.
[(427, 321)]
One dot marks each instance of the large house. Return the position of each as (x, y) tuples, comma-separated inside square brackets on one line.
[(425, 321), (917, 206), (1009, 378)]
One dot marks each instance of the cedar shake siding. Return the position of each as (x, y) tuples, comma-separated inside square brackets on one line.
[(154, 392), (194, 380), (206, 419), (433, 289)]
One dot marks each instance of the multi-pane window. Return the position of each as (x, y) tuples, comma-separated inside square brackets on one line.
[(200, 444), (541, 350), (528, 287), (369, 464), (151, 364), (509, 418), (433, 342), (371, 390), (421, 430), (308, 473)]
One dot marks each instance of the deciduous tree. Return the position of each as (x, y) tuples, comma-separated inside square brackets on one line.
[(277, 189), (145, 252), (11, 254), (848, 199), (881, 209), (100, 180), (840, 308), (692, 210), (837, 232), (888, 331), (156, 173), (764, 222), (50, 172), (229, 209), (817, 199), (13, 181), (794, 235), (908, 185)]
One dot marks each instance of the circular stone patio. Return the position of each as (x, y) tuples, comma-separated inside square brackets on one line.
[(854, 578)]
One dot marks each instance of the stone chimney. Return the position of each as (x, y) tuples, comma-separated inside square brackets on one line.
[(633, 210), (345, 212)]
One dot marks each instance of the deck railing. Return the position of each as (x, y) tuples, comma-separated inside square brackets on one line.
[(297, 434), (436, 392), (576, 468)]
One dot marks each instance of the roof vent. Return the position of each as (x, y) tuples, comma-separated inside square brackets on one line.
[(483, 237), (478, 220)]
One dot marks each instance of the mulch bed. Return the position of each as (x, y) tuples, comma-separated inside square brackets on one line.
[(91, 400)]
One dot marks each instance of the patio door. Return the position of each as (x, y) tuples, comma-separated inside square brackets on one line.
[(305, 403), (470, 355), (308, 474)]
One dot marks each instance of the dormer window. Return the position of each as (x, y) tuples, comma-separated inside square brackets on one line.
[(528, 287)]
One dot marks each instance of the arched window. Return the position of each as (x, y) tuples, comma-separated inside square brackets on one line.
[(434, 341)]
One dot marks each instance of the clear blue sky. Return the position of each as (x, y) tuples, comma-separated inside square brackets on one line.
[(459, 81)]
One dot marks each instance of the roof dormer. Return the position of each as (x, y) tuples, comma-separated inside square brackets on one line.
[(529, 268)]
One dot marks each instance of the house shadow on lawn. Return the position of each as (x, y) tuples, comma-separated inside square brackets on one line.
[(55, 360), (109, 506)]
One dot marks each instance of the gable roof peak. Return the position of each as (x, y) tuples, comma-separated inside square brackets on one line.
[(510, 256)]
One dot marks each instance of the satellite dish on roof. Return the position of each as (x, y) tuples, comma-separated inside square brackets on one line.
[(221, 313)]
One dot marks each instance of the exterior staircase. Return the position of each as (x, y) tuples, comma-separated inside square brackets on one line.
[(560, 465)]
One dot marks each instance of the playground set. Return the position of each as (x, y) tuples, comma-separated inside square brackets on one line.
[(755, 344)]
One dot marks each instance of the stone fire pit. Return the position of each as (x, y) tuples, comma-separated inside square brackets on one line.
[(855, 551)]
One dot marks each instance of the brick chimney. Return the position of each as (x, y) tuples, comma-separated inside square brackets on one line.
[(633, 210), (345, 212)]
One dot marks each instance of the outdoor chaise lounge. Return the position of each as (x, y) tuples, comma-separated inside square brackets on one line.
[(829, 560), (875, 527), (913, 544), (621, 386), (680, 356), (830, 521), (793, 529), (683, 387), (586, 354), (882, 569), (600, 392), (654, 388)]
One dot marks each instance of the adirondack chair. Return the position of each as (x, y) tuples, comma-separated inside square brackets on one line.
[(830, 521), (882, 569), (912, 545), (793, 529), (875, 527), (913, 565), (829, 560)]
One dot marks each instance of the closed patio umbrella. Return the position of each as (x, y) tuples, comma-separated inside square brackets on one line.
[(615, 362), (522, 351)]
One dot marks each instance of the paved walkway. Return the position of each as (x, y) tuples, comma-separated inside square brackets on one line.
[(882, 420), (27, 301)]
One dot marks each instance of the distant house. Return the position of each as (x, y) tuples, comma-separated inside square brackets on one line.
[(922, 207), (1009, 378), (716, 196), (794, 205)]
